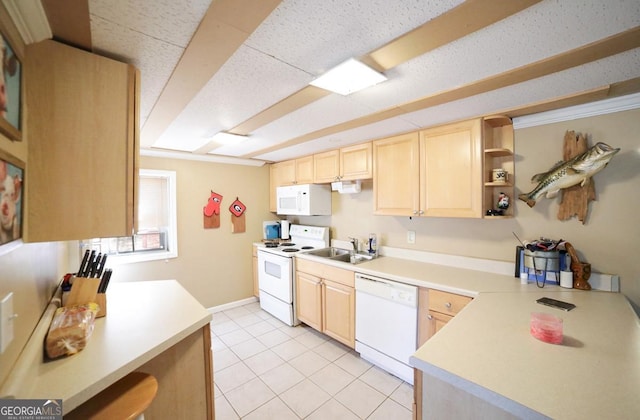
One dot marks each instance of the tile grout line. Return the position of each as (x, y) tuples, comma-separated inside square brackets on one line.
[(310, 340)]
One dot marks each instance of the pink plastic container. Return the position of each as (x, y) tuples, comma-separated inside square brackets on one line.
[(546, 327)]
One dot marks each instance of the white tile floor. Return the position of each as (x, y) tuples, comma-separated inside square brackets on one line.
[(264, 369)]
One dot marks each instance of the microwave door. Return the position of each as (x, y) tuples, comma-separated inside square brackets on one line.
[(287, 204), (299, 201)]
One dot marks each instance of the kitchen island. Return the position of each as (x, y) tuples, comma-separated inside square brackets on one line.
[(485, 364), (155, 327)]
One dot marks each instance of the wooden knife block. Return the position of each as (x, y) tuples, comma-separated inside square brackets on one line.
[(85, 290)]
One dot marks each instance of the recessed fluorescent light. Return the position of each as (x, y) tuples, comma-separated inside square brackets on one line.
[(228, 139), (348, 77)]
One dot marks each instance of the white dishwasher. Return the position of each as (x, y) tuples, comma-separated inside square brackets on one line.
[(386, 323)]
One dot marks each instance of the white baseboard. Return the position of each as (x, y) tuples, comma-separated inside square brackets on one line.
[(232, 305)]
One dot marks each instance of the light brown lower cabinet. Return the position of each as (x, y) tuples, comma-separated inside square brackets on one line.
[(325, 300), (435, 309)]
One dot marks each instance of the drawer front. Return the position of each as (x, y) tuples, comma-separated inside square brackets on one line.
[(447, 303), (325, 271)]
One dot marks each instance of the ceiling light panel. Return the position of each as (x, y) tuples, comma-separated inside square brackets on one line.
[(349, 77)]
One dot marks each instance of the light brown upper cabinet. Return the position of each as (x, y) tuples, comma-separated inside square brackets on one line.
[(82, 127), (396, 175), (345, 164), (451, 170), (289, 172), (436, 172)]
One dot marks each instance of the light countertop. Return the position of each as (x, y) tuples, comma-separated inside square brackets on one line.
[(143, 320), (487, 349), (594, 373)]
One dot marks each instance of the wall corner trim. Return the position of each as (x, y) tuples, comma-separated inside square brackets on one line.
[(606, 106), (30, 20)]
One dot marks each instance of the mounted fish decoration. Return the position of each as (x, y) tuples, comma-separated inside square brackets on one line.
[(578, 170)]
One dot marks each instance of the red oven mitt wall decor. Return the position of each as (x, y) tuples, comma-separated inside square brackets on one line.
[(212, 211), (237, 216)]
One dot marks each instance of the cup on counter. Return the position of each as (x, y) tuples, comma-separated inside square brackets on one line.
[(566, 279), (546, 327)]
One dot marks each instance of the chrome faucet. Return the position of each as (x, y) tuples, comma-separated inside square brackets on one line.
[(354, 243)]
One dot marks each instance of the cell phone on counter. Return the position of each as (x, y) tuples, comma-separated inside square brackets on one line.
[(565, 306)]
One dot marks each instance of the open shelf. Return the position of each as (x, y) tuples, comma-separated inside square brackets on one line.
[(498, 150), (498, 184)]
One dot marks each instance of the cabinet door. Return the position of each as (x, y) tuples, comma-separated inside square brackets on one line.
[(82, 124), (396, 175), (338, 315), (309, 300), (326, 166), (451, 172), (281, 173), (356, 162), (437, 321), (304, 170)]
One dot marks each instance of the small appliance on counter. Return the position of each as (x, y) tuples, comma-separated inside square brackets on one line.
[(271, 230), (284, 229)]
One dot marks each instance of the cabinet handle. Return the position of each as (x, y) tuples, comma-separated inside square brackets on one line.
[(421, 212), (415, 212), (447, 305), (429, 317)]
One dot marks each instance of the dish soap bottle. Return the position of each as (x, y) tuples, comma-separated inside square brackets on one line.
[(373, 244)]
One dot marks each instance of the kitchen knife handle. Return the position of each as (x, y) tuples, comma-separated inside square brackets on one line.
[(87, 268), (82, 263), (102, 288), (93, 267), (102, 263)]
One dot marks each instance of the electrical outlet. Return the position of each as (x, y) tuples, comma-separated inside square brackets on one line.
[(6, 321), (411, 237)]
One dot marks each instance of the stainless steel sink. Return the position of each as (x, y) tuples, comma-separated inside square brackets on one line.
[(339, 254), (328, 252)]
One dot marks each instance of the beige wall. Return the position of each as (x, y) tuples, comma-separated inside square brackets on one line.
[(213, 264), (607, 240)]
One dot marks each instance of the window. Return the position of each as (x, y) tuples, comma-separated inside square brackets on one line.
[(157, 235)]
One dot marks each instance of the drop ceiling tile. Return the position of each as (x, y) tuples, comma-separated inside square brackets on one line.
[(374, 131), (247, 84), (301, 39), (544, 30), (571, 81), (172, 21), (154, 58), (315, 36), (328, 111)]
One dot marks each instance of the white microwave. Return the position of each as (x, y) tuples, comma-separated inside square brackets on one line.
[(304, 200)]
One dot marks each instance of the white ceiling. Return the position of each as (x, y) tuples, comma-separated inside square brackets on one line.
[(302, 38)]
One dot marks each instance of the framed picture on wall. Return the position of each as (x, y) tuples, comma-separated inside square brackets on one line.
[(10, 90), (11, 198)]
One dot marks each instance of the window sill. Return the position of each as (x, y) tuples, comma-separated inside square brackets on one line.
[(141, 257)]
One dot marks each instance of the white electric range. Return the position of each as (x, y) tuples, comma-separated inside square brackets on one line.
[(276, 269)]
